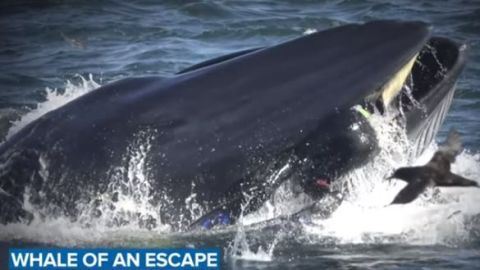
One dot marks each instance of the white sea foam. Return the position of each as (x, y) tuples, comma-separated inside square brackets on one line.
[(54, 100), (309, 31)]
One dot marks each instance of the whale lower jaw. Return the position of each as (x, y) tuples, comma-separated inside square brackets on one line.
[(428, 130), (434, 83)]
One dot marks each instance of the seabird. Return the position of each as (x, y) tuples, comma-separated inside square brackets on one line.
[(435, 173)]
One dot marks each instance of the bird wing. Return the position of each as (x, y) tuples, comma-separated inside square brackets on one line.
[(455, 180), (447, 152), (411, 191), (453, 145)]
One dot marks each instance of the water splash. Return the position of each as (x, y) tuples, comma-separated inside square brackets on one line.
[(438, 217), (128, 200), (441, 216), (241, 248), (309, 31), (54, 100), (125, 206)]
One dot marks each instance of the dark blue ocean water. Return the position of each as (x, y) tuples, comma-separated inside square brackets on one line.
[(44, 44)]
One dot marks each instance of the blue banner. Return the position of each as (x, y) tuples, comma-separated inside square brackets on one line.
[(113, 259)]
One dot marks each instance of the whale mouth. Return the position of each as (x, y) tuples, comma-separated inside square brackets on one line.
[(439, 61), (428, 90), (421, 92), (417, 82)]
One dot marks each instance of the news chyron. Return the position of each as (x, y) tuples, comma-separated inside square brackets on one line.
[(113, 259)]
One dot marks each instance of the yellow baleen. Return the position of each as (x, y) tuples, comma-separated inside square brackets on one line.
[(394, 85)]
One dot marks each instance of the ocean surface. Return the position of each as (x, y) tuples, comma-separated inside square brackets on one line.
[(53, 51)]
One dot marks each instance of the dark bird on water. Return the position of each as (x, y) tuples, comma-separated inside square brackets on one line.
[(435, 173)]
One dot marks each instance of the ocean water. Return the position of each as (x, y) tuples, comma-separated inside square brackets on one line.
[(54, 51)]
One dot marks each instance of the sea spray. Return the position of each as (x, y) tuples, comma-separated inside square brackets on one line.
[(54, 100)]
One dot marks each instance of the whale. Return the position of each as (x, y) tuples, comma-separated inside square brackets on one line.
[(227, 132)]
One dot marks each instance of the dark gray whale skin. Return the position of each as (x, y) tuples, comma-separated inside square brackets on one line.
[(218, 129)]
